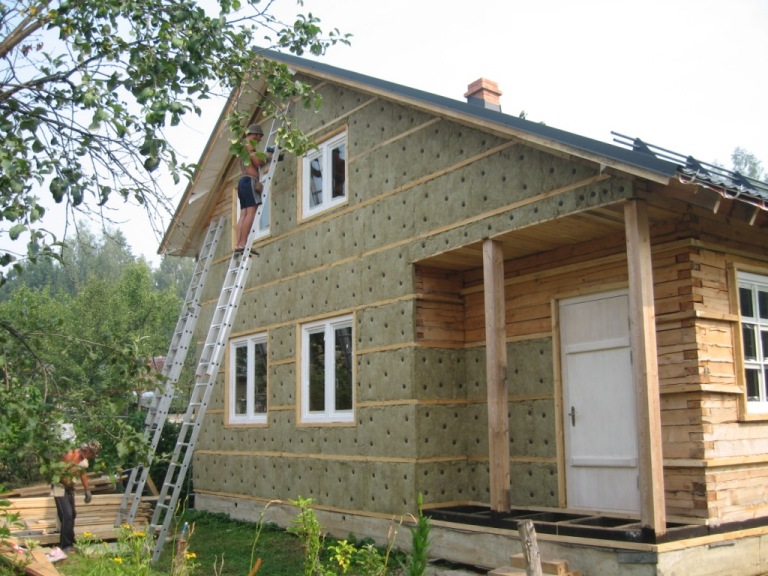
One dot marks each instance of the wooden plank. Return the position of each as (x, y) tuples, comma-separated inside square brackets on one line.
[(34, 561), (645, 366), (496, 370), (40, 565), (98, 517), (559, 567)]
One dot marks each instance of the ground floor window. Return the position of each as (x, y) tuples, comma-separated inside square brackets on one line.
[(327, 391), (248, 380), (753, 310)]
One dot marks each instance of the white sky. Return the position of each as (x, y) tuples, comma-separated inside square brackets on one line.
[(690, 76)]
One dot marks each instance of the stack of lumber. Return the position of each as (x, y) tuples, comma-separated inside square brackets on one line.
[(98, 484), (39, 517)]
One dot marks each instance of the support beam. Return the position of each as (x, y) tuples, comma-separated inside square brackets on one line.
[(642, 321), (496, 371)]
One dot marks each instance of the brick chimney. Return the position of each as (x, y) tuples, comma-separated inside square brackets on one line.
[(485, 93)]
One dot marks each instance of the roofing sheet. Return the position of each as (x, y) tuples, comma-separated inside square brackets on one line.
[(633, 152)]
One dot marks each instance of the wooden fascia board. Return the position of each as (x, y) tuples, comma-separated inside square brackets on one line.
[(178, 216), (215, 142)]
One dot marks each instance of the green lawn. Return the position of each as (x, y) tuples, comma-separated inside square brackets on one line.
[(218, 538)]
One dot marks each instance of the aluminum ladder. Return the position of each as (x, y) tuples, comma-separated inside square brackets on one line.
[(210, 359), (174, 362)]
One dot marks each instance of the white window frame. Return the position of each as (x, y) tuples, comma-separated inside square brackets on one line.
[(757, 365), (263, 229), (251, 414), (322, 155), (330, 414)]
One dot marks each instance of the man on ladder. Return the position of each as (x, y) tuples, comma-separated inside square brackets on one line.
[(222, 320), (249, 187)]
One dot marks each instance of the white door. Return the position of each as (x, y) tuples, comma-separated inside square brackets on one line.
[(599, 404)]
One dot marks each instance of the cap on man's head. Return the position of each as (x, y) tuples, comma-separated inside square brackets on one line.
[(94, 446), (254, 129)]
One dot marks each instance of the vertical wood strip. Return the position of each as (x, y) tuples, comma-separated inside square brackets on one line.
[(496, 370), (642, 320)]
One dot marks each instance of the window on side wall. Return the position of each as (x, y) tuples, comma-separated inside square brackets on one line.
[(248, 380), (753, 310), (327, 389), (324, 174)]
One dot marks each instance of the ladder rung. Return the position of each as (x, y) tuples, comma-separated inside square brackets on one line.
[(210, 357)]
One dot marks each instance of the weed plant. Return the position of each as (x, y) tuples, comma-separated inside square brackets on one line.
[(220, 546)]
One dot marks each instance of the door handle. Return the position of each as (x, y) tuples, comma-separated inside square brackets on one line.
[(572, 414)]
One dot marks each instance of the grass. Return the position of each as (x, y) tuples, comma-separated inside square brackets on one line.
[(217, 537)]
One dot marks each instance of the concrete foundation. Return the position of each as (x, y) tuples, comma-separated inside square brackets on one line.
[(742, 553)]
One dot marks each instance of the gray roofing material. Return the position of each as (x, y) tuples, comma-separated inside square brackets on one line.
[(639, 154), (729, 183)]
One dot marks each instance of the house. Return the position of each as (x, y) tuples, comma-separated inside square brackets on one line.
[(510, 319)]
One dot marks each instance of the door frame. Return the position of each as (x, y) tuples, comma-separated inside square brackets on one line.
[(560, 422)]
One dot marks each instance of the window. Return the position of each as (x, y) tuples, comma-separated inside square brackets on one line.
[(248, 380), (753, 308), (326, 371), (263, 228), (325, 175)]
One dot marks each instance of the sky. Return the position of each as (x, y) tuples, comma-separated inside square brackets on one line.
[(690, 76)]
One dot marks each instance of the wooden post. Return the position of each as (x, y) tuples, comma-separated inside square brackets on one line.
[(530, 548), (642, 321), (496, 373)]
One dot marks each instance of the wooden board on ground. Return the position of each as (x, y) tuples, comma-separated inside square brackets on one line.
[(35, 562), (38, 515), (40, 565)]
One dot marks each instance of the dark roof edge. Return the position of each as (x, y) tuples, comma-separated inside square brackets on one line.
[(535, 129), (632, 153)]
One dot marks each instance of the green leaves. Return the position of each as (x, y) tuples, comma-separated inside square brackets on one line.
[(103, 79), (81, 333), (16, 231)]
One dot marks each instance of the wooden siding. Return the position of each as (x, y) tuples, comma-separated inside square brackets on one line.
[(715, 461)]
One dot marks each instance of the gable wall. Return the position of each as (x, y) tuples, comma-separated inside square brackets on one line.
[(419, 186)]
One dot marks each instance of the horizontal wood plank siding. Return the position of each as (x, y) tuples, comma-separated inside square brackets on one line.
[(696, 327)]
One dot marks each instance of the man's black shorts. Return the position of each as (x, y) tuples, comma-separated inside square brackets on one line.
[(246, 192)]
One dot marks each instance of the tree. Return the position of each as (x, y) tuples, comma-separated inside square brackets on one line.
[(174, 272), (88, 89), (746, 163), (61, 352)]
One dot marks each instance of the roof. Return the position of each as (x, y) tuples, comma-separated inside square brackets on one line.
[(634, 156), (730, 184), (526, 129)]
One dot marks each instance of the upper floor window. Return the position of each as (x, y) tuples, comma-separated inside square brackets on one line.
[(326, 371), (324, 173), (263, 228), (248, 380), (753, 309)]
